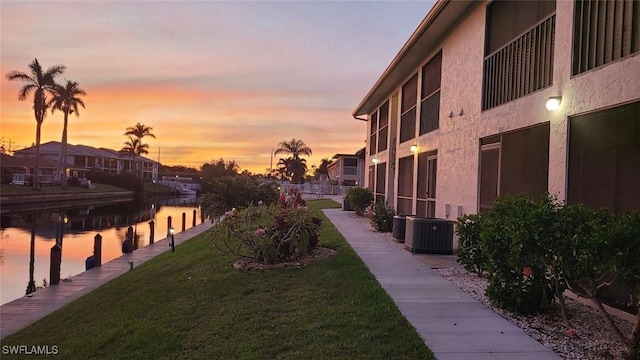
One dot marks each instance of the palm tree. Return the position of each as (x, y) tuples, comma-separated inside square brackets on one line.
[(323, 168), (293, 147), (284, 168), (41, 84), (296, 167), (66, 99), (131, 147), (139, 131)]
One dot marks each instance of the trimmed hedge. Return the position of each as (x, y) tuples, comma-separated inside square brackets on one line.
[(535, 248)]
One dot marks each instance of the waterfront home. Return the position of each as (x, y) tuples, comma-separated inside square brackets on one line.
[(82, 158), (22, 169)]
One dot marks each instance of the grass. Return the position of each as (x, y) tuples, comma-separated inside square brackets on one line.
[(8, 189), (192, 304)]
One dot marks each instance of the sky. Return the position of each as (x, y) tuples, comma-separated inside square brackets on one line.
[(214, 79)]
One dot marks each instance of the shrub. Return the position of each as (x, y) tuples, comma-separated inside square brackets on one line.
[(269, 234), (6, 177), (512, 235), (226, 193), (359, 199), (381, 216), (470, 252), (73, 181), (627, 268), (534, 248), (125, 181)]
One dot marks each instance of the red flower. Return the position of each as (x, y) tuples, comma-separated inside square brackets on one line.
[(571, 333), (527, 271)]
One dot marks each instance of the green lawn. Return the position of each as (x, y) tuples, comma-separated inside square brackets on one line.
[(8, 189), (192, 304)]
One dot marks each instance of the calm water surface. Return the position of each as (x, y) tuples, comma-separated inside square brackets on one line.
[(80, 227)]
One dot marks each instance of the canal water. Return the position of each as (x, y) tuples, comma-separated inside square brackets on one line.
[(80, 225)]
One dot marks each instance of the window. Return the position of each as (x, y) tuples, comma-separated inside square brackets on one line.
[(604, 159), (427, 174), (379, 129), (373, 133), (405, 185), (350, 161), (518, 50), (408, 109), (430, 92), (372, 174), (381, 170), (514, 163), (383, 124), (604, 31)]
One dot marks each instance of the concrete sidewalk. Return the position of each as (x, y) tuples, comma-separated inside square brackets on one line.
[(452, 324), (22, 312)]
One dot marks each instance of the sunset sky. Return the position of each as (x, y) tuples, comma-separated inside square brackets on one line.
[(215, 79)]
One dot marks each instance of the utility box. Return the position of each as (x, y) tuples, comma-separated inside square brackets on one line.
[(399, 227), (428, 235)]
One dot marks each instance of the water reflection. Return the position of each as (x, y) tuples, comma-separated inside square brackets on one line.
[(28, 238)]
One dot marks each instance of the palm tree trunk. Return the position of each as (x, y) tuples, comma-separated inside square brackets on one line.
[(36, 167), (64, 148)]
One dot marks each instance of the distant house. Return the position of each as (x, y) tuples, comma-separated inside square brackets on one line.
[(490, 98), (82, 158), (23, 168), (347, 169)]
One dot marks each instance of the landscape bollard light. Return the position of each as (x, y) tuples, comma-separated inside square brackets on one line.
[(173, 244)]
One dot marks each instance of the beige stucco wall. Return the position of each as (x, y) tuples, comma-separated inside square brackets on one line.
[(457, 139)]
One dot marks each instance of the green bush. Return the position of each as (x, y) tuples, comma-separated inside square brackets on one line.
[(125, 181), (534, 248), (268, 234), (470, 252), (225, 193), (513, 235), (381, 216), (73, 181), (7, 176), (359, 198)]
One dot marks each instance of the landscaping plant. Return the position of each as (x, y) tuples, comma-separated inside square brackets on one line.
[(381, 216), (225, 193), (470, 253), (359, 199), (269, 233), (512, 234), (535, 248)]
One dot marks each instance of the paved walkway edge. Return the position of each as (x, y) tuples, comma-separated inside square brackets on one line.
[(20, 313), (452, 324)]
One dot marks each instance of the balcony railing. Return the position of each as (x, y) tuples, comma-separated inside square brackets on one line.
[(521, 67)]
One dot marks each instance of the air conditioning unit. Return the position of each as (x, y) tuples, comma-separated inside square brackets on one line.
[(428, 235)]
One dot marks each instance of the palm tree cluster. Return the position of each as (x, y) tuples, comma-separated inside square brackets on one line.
[(293, 166), (47, 94), (134, 145)]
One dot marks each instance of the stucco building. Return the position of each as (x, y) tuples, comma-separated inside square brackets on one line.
[(82, 158), (489, 98), (347, 169)]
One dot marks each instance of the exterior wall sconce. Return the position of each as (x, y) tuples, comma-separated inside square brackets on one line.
[(553, 103), (374, 160), (414, 148)]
